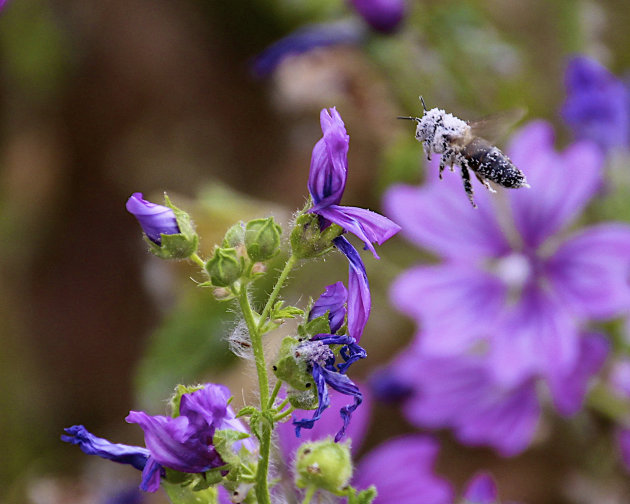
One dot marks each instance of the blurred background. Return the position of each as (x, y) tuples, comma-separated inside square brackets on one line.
[(102, 99)]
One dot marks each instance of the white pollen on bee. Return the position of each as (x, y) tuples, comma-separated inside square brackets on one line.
[(514, 269), (439, 129)]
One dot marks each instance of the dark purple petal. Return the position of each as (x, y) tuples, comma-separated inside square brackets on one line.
[(438, 216), (382, 15), (208, 405), (461, 393), (324, 401), (306, 39), (456, 304), (333, 301), (329, 161), (402, 471), (92, 445), (568, 389), (327, 426), (177, 442), (341, 383), (597, 107), (481, 490), (561, 183), (154, 219), (537, 337), (151, 476), (368, 226), (590, 271), (359, 297)]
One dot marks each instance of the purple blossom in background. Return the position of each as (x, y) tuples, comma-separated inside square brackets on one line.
[(481, 490), (623, 443), (154, 219), (321, 359), (382, 15), (508, 278), (182, 443), (620, 378), (326, 184), (461, 393), (401, 469), (304, 40), (597, 107)]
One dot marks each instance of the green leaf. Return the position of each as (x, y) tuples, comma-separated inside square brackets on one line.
[(179, 494), (223, 440)]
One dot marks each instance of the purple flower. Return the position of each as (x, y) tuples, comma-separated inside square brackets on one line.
[(461, 393), (382, 15), (481, 490), (508, 278), (401, 469), (306, 39), (333, 302), (154, 219), (597, 107), (623, 443), (183, 443)]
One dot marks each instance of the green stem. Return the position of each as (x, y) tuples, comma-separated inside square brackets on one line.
[(276, 290), (262, 488), (198, 261), (310, 491), (284, 414), (274, 394)]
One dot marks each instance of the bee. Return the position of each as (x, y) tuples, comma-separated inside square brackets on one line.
[(456, 141)]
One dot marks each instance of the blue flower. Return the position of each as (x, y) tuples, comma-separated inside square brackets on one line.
[(183, 443), (597, 107), (154, 219), (332, 301)]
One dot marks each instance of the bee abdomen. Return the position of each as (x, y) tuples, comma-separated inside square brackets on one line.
[(490, 163)]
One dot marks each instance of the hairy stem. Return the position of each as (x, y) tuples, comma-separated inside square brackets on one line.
[(276, 290), (310, 491)]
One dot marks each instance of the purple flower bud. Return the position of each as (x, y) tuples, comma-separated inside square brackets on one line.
[(382, 15), (333, 301), (155, 219)]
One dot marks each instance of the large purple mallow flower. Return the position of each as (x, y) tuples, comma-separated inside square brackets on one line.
[(401, 469), (321, 360), (597, 107), (154, 219), (461, 393), (326, 184), (183, 443), (511, 280)]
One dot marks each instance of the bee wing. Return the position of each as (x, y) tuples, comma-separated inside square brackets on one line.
[(497, 125)]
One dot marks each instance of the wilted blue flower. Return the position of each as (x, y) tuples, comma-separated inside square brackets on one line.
[(183, 443), (508, 278), (333, 301), (382, 15), (154, 219), (598, 104), (461, 393)]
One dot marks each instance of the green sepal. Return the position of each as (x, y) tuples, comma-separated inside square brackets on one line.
[(176, 246), (176, 399), (366, 496), (262, 239), (290, 369), (223, 440), (308, 241), (235, 236), (319, 325), (185, 494), (225, 267)]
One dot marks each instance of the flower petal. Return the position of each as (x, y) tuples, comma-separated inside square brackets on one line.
[(568, 389), (324, 401), (481, 490), (359, 297), (382, 15), (590, 271), (341, 383), (370, 227), (456, 304), (332, 301), (329, 161), (154, 219), (438, 216), (402, 471), (92, 445), (151, 476), (561, 183)]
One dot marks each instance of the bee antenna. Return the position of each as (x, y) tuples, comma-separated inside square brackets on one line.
[(409, 118), (423, 104)]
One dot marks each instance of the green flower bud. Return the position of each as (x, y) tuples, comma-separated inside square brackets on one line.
[(235, 236), (262, 239), (308, 241), (323, 464), (225, 267), (294, 372)]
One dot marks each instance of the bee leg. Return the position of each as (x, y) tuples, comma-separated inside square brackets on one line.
[(467, 185), (427, 150), (441, 166), (485, 182)]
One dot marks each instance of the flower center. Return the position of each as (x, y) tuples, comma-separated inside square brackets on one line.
[(313, 351), (514, 269)]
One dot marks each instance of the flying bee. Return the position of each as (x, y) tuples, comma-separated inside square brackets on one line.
[(457, 142)]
